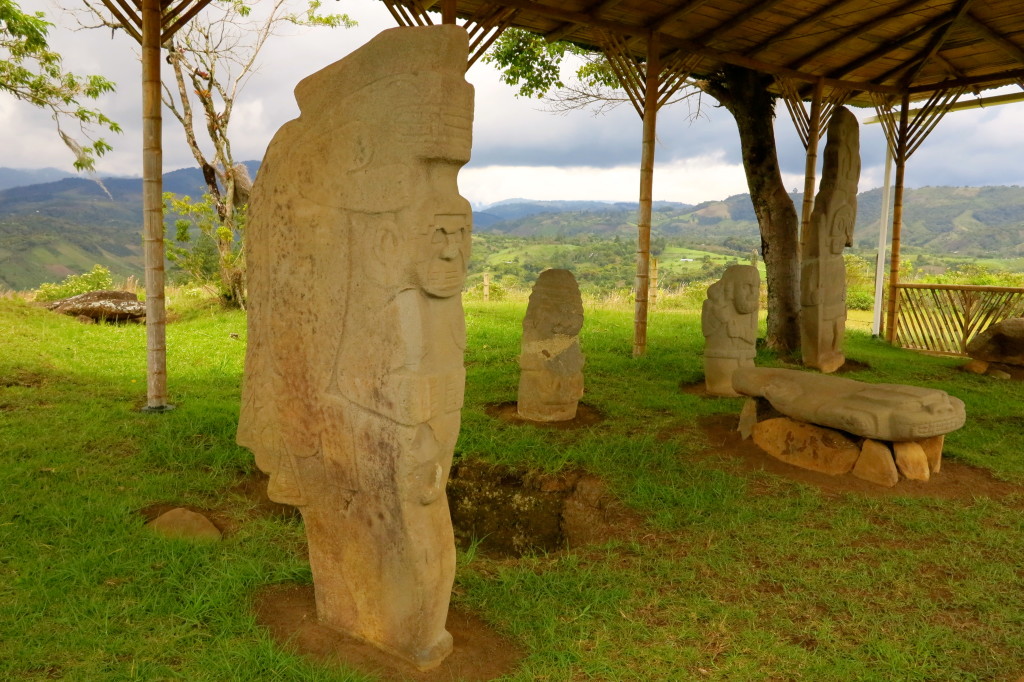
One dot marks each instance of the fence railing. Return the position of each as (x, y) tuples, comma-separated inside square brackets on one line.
[(944, 318)]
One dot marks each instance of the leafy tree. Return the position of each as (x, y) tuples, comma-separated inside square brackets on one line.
[(212, 58), (31, 72)]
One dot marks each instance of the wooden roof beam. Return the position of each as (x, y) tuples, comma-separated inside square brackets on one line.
[(809, 20), (568, 27), (676, 14), (855, 32), (749, 13), (935, 44), (886, 48), (985, 79), (1005, 44)]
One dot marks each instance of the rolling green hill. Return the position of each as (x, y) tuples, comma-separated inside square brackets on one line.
[(50, 230)]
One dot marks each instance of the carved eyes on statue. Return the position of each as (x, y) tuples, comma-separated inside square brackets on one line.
[(447, 242)]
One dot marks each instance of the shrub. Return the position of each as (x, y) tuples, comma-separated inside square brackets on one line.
[(94, 280), (860, 300)]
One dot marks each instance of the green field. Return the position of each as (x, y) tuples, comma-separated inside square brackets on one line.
[(732, 574)]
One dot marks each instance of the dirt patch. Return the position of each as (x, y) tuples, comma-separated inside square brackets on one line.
[(956, 481), (253, 488), (289, 612), (23, 379), (509, 512), (586, 415)]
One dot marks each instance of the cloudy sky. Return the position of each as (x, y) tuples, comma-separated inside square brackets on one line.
[(520, 148)]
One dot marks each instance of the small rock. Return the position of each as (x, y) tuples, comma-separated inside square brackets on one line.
[(876, 464), (975, 367), (109, 305), (998, 374), (911, 460), (85, 319), (806, 445), (933, 451), (748, 418), (186, 524)]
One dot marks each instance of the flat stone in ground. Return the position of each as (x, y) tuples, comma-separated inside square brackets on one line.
[(911, 460), (876, 464), (185, 524), (806, 445)]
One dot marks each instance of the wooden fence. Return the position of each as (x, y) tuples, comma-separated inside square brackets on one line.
[(944, 318)]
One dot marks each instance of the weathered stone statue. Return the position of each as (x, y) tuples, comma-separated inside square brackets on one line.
[(357, 248), (823, 273), (889, 412), (551, 382), (729, 323)]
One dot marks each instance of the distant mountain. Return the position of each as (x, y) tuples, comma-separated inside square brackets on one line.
[(20, 177), (53, 229)]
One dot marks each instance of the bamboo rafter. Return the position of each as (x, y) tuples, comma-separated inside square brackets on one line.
[(632, 72), (485, 26), (921, 123), (944, 318), (173, 15), (409, 12), (801, 116)]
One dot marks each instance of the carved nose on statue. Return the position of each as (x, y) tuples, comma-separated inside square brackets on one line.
[(450, 251)]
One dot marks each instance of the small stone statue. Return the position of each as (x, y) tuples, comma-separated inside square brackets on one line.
[(823, 272), (551, 382), (729, 323), (357, 249)]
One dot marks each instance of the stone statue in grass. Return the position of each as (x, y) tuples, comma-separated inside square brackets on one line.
[(729, 324), (357, 249), (551, 381)]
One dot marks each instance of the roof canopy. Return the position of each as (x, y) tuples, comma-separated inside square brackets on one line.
[(858, 47)]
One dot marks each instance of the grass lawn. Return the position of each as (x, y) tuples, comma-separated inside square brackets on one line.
[(741, 575)]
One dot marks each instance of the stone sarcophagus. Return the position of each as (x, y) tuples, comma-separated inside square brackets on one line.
[(357, 249)]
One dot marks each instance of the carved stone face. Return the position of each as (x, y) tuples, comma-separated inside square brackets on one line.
[(742, 287), (441, 269)]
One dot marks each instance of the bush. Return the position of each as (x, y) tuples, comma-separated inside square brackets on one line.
[(94, 280), (860, 300)]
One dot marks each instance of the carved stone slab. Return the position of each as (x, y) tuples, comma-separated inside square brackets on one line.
[(891, 412), (823, 273), (357, 248), (551, 382)]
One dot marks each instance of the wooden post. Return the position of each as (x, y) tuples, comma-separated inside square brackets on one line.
[(883, 242), (487, 286), (448, 11), (643, 250), (811, 164), (152, 210), (897, 218)]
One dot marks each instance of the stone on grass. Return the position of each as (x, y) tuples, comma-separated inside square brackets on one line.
[(1002, 342), (748, 418), (104, 305), (876, 464), (933, 452), (185, 524), (975, 367), (806, 445), (356, 246), (1000, 374), (911, 460)]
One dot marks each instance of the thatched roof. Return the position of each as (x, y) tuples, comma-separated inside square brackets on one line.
[(858, 46)]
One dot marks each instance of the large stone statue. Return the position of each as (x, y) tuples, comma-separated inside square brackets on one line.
[(729, 323), (551, 382), (823, 273), (357, 248)]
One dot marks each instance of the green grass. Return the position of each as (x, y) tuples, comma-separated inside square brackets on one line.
[(741, 576)]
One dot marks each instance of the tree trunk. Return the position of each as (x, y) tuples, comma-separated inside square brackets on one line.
[(745, 94)]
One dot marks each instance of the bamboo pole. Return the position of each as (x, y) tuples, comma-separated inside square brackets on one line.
[(643, 251), (811, 164), (152, 210), (653, 292), (883, 241), (487, 286), (448, 11), (897, 218)]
